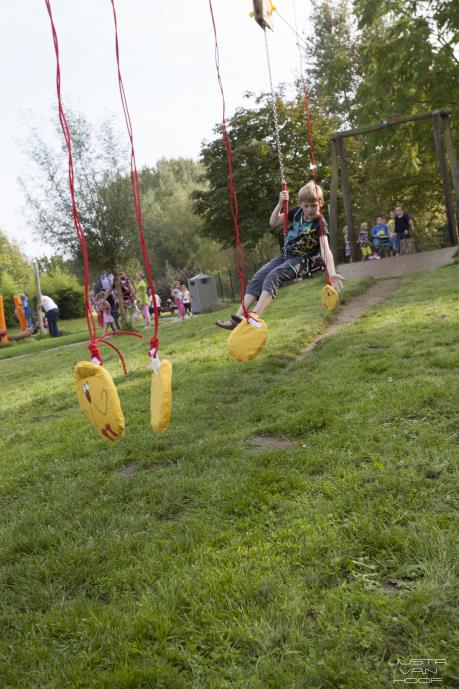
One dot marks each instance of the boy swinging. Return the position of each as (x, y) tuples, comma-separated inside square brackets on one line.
[(307, 237)]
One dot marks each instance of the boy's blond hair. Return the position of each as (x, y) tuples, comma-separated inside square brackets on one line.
[(311, 192)]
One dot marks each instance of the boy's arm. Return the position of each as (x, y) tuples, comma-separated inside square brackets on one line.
[(277, 218), (327, 257)]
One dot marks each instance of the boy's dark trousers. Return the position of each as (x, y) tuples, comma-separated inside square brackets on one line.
[(51, 316)]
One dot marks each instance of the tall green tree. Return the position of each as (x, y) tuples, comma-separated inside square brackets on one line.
[(172, 229), (256, 166), (103, 193), (14, 262), (333, 50)]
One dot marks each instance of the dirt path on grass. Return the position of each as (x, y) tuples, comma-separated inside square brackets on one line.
[(387, 272), (352, 310)]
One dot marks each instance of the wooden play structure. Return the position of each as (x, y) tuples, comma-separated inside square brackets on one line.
[(444, 148)]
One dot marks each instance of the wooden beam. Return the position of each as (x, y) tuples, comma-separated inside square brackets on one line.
[(390, 122), (448, 140), (334, 200), (347, 195), (437, 124)]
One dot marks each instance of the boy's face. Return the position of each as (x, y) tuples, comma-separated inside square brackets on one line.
[(310, 209), (398, 211)]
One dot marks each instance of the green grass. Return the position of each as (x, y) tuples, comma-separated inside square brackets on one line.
[(72, 331), (216, 565)]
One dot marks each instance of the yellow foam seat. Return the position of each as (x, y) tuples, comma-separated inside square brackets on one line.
[(247, 340), (99, 400), (161, 396), (329, 297)]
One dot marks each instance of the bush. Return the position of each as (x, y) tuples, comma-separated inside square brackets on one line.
[(8, 288), (66, 292)]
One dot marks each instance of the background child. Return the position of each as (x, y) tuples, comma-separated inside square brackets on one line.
[(186, 299), (104, 308), (178, 298), (379, 236), (307, 237), (363, 241), (27, 310)]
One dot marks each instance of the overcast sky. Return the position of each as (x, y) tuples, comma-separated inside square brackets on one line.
[(167, 61)]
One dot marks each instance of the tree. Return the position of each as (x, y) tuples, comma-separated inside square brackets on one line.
[(172, 228), (333, 50), (103, 194), (256, 166)]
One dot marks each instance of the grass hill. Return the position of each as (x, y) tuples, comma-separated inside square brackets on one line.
[(212, 557)]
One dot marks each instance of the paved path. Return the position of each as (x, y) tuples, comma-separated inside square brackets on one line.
[(396, 266), (387, 270)]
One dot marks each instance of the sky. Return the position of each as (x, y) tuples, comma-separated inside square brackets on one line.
[(168, 68)]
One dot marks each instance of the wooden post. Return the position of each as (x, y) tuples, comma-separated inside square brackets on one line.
[(346, 195), (334, 200), (452, 161), (438, 138), (38, 293)]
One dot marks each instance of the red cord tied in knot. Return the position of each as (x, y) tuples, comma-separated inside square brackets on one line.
[(94, 350), (153, 354), (154, 346)]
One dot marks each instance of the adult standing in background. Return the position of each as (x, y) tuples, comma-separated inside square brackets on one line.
[(52, 314)]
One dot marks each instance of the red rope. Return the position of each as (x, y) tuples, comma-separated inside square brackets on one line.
[(135, 180), (307, 113), (239, 259), (93, 345), (92, 329)]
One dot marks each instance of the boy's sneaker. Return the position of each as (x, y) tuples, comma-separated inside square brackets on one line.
[(229, 324)]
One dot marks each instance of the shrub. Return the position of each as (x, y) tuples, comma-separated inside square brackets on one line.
[(66, 292), (8, 288)]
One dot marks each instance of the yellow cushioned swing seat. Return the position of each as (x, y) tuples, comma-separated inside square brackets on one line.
[(161, 396), (329, 297), (247, 339), (99, 400)]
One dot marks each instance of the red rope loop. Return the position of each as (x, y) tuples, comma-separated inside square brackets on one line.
[(110, 344)]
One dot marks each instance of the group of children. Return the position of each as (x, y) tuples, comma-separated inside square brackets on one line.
[(136, 300), (384, 237)]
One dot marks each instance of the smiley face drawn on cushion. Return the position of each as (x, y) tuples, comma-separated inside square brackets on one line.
[(99, 400)]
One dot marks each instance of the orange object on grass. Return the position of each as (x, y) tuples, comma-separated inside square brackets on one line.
[(3, 335), (20, 313)]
